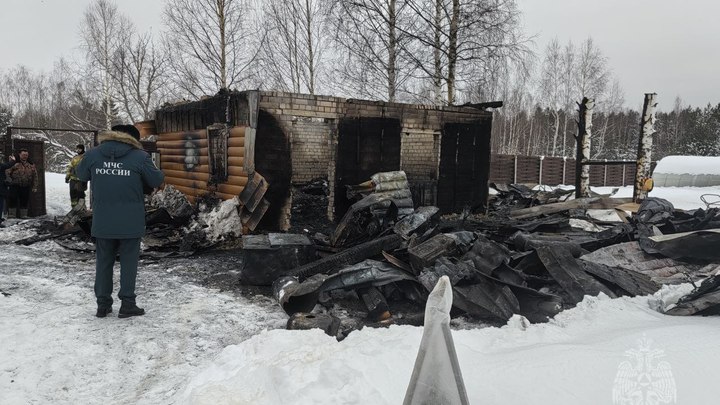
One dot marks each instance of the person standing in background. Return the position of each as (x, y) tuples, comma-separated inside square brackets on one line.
[(77, 187), (22, 177), (4, 186)]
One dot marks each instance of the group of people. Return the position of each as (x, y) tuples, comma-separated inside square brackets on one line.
[(19, 178), (119, 172)]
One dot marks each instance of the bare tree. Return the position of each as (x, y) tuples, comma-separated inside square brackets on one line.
[(372, 46), (140, 74), (551, 85), (457, 40), (291, 55), (591, 71), (209, 44), (104, 31)]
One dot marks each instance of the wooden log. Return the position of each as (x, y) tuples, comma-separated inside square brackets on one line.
[(236, 161), (237, 132), (196, 184), (229, 189), (232, 151), (194, 193), (200, 143), (204, 177), (201, 160), (190, 175), (180, 144), (232, 170), (182, 135), (181, 151), (580, 203)]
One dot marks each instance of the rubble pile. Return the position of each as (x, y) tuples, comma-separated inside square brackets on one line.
[(521, 257)]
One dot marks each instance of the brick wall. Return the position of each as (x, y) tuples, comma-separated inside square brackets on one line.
[(311, 122)]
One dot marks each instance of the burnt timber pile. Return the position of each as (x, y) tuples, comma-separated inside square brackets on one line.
[(532, 254)]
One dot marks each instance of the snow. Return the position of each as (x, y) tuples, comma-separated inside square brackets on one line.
[(688, 165), (198, 345)]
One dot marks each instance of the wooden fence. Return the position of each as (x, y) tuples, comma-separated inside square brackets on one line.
[(553, 171)]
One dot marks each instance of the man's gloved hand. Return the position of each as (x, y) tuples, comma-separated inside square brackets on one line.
[(67, 180)]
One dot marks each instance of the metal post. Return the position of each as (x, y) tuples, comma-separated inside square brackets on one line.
[(515, 171), (541, 167), (605, 174)]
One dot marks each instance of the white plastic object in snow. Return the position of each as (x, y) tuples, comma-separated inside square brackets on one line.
[(436, 378)]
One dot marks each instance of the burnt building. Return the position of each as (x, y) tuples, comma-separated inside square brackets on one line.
[(258, 144)]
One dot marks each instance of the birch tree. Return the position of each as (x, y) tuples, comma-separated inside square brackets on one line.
[(372, 46), (291, 55), (458, 40), (104, 31), (209, 44), (551, 85), (591, 71), (140, 75)]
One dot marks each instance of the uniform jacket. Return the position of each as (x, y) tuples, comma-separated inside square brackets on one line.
[(70, 174), (21, 174), (117, 170), (3, 185)]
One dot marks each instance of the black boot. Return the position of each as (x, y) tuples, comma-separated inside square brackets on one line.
[(103, 311), (128, 309)]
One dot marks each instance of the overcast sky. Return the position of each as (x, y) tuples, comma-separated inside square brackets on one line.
[(665, 46)]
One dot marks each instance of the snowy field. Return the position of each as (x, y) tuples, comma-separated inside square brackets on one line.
[(201, 346)]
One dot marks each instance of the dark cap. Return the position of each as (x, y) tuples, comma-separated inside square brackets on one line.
[(128, 129)]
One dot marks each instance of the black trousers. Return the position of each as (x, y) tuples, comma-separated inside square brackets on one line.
[(77, 190), (19, 197)]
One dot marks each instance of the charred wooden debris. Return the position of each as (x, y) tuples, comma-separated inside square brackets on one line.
[(533, 253)]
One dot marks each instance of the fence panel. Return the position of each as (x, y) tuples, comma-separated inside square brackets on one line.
[(502, 169), (552, 171), (528, 169)]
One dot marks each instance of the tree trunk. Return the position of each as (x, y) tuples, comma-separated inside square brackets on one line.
[(452, 52), (311, 51), (392, 45), (223, 45), (647, 129), (582, 172), (437, 80)]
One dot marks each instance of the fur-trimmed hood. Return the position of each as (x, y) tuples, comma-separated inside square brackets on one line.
[(119, 137)]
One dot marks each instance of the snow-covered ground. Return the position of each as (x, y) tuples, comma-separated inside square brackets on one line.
[(197, 345)]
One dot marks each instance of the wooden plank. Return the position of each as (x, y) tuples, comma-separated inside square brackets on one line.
[(257, 214), (199, 143), (578, 203), (249, 152)]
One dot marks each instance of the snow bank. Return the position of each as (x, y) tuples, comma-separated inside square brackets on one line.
[(573, 359)]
